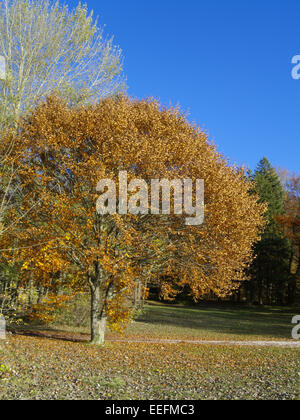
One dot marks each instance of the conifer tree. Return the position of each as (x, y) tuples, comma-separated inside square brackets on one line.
[(269, 271)]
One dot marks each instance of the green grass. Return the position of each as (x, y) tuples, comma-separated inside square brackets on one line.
[(199, 322), (214, 322)]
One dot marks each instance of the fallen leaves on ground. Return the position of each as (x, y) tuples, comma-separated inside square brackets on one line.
[(40, 368)]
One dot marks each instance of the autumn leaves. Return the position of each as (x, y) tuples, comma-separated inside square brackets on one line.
[(138, 203), (67, 150)]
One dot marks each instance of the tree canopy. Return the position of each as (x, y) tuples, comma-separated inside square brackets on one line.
[(67, 150), (48, 47)]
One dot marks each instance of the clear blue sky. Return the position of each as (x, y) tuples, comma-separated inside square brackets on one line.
[(228, 63)]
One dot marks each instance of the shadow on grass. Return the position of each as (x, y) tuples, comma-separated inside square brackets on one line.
[(195, 322), (266, 322), (48, 333)]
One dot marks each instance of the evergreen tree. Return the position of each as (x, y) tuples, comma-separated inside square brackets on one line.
[(270, 270), (270, 190)]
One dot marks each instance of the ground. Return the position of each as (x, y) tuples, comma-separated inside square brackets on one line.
[(44, 368)]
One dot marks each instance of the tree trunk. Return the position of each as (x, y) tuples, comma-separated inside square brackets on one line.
[(260, 292), (31, 291), (295, 272), (138, 295), (291, 293), (239, 295), (41, 295), (251, 292), (296, 285), (98, 316)]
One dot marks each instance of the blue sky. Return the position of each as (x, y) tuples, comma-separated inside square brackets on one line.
[(228, 63)]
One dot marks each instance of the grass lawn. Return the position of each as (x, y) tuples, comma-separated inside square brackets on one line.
[(41, 368), (214, 322), (204, 322)]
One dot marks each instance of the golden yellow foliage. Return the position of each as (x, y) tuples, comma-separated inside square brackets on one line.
[(68, 150)]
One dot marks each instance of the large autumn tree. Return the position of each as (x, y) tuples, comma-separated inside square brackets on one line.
[(67, 151)]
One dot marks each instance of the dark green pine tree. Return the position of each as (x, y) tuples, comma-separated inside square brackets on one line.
[(270, 270), (270, 190)]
